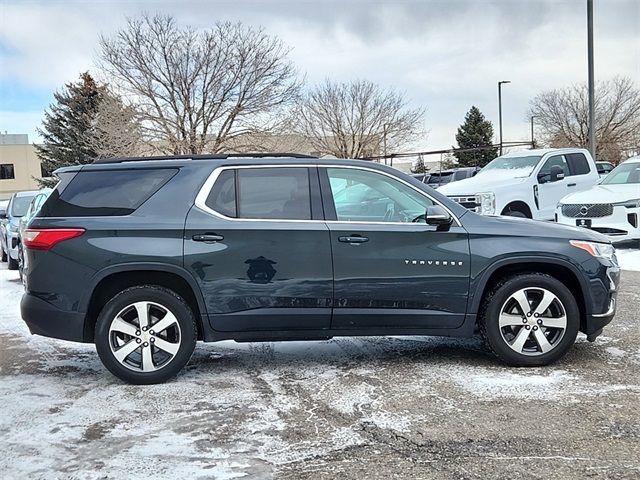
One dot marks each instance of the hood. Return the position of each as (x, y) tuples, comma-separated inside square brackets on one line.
[(605, 194), (487, 181), (525, 227)]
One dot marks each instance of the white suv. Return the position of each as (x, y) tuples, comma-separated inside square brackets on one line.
[(529, 183), (611, 208)]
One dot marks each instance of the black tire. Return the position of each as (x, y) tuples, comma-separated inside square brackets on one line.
[(13, 264), (515, 213), (497, 297), (168, 300), (4, 254)]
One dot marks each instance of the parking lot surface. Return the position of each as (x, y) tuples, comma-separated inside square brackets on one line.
[(348, 408)]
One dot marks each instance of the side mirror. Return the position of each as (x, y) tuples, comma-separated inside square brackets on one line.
[(3, 214), (439, 217), (557, 173)]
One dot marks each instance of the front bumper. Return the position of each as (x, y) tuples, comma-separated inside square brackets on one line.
[(618, 227), (596, 322), (602, 316), (44, 319)]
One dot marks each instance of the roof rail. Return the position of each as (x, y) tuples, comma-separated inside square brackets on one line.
[(213, 156)]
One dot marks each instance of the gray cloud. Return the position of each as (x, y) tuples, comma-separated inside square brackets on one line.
[(446, 55)]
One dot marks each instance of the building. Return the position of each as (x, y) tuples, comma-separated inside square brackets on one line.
[(19, 165)]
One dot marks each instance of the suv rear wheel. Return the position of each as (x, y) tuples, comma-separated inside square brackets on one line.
[(145, 334), (530, 320)]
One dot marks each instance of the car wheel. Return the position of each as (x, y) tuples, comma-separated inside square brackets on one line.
[(145, 334), (529, 320), (515, 213), (13, 264), (3, 254)]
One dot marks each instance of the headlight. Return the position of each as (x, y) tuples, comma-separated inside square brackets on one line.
[(629, 203), (599, 250), (486, 202)]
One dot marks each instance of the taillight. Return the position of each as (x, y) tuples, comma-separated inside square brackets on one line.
[(46, 238)]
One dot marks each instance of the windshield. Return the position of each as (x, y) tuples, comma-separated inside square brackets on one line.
[(19, 205), (524, 164), (623, 173), (440, 178)]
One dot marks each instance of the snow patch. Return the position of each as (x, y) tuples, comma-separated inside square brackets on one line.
[(629, 259), (615, 352), (556, 385), (514, 385)]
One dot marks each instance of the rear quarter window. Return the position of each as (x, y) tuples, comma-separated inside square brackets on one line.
[(105, 192)]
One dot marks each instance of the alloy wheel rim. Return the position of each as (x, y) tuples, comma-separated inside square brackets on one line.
[(532, 321), (144, 336)]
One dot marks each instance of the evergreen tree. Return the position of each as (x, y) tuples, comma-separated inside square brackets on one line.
[(419, 166), (476, 131), (67, 125)]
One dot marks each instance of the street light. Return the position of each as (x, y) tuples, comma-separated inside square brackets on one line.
[(500, 109), (592, 122), (384, 141), (533, 142)]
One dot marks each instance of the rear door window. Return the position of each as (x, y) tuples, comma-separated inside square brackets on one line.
[(274, 193), (578, 164), (106, 192), (281, 193)]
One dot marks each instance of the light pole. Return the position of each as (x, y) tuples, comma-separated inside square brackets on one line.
[(500, 109), (533, 142), (384, 142), (592, 123)]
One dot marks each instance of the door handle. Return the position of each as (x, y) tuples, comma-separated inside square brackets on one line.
[(207, 237), (571, 185), (353, 239)]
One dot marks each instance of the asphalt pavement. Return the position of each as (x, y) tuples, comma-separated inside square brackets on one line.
[(352, 408)]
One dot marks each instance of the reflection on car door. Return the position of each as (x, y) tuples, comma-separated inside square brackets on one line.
[(391, 270)]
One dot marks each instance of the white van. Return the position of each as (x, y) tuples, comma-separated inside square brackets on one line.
[(528, 183)]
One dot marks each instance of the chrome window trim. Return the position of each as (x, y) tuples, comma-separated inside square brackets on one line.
[(201, 198)]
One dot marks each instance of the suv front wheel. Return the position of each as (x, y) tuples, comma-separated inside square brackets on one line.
[(145, 334), (530, 320)]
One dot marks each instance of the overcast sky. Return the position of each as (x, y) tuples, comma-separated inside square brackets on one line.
[(444, 55)]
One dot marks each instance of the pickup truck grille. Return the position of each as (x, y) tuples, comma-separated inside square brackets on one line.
[(468, 202), (588, 210)]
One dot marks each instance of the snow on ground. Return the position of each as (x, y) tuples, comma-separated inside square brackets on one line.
[(629, 259), (376, 407)]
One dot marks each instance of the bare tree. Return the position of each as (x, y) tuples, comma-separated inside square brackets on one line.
[(356, 120), (562, 115), (115, 129), (197, 90)]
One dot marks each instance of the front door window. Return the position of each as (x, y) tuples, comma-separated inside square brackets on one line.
[(366, 196)]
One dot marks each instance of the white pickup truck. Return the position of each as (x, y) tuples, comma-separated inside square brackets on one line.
[(528, 183)]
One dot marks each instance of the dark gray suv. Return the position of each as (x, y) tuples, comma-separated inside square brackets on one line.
[(144, 257)]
